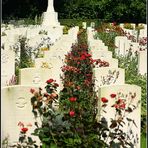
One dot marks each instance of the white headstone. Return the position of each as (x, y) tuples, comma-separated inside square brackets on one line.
[(109, 76), (131, 94), (99, 54), (7, 64), (16, 107), (122, 45), (34, 76), (142, 62)]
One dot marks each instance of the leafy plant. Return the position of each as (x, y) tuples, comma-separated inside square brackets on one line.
[(128, 26)]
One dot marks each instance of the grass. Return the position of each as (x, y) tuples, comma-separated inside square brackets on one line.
[(143, 141)]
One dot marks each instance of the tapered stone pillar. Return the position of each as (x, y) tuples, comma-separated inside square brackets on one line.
[(50, 17)]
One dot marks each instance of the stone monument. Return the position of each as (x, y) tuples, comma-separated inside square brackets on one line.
[(50, 17)]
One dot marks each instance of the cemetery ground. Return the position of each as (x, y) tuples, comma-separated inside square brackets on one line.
[(95, 78)]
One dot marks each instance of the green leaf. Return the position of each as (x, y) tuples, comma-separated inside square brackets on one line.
[(46, 139), (33, 99), (52, 145)]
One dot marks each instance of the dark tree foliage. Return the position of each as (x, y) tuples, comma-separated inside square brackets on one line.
[(110, 10)]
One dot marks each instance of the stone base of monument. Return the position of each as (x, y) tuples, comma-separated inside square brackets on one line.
[(50, 19)]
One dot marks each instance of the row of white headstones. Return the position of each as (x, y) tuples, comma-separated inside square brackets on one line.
[(16, 99)]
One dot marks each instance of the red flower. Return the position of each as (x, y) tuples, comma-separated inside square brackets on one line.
[(119, 101), (114, 23), (72, 99), (116, 106), (32, 90), (82, 57), (49, 81), (104, 100), (72, 113), (122, 106), (56, 84), (113, 95), (24, 130), (78, 87)]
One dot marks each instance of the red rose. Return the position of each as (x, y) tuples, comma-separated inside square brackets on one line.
[(116, 106), (56, 84), (78, 87), (104, 100), (72, 99), (113, 95), (32, 90), (71, 113), (24, 130), (122, 106), (49, 81), (119, 101), (114, 23), (82, 57)]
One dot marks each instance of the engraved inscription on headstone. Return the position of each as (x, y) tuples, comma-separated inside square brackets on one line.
[(21, 102), (36, 79), (5, 58)]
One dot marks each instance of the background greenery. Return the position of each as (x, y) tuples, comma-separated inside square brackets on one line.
[(109, 10)]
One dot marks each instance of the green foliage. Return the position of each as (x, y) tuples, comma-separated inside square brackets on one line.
[(64, 127), (78, 22), (25, 59), (25, 54), (65, 29), (110, 10)]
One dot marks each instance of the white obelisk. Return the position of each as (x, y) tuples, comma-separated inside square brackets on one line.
[(50, 17), (50, 7)]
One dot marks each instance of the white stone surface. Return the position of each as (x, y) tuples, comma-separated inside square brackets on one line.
[(98, 54), (7, 65), (84, 24), (126, 91), (16, 107), (50, 17), (34, 76), (143, 33), (122, 45), (142, 62), (109, 76), (135, 47), (39, 76), (97, 45)]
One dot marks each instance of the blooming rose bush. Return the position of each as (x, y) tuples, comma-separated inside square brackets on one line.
[(24, 140), (123, 106), (74, 124)]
